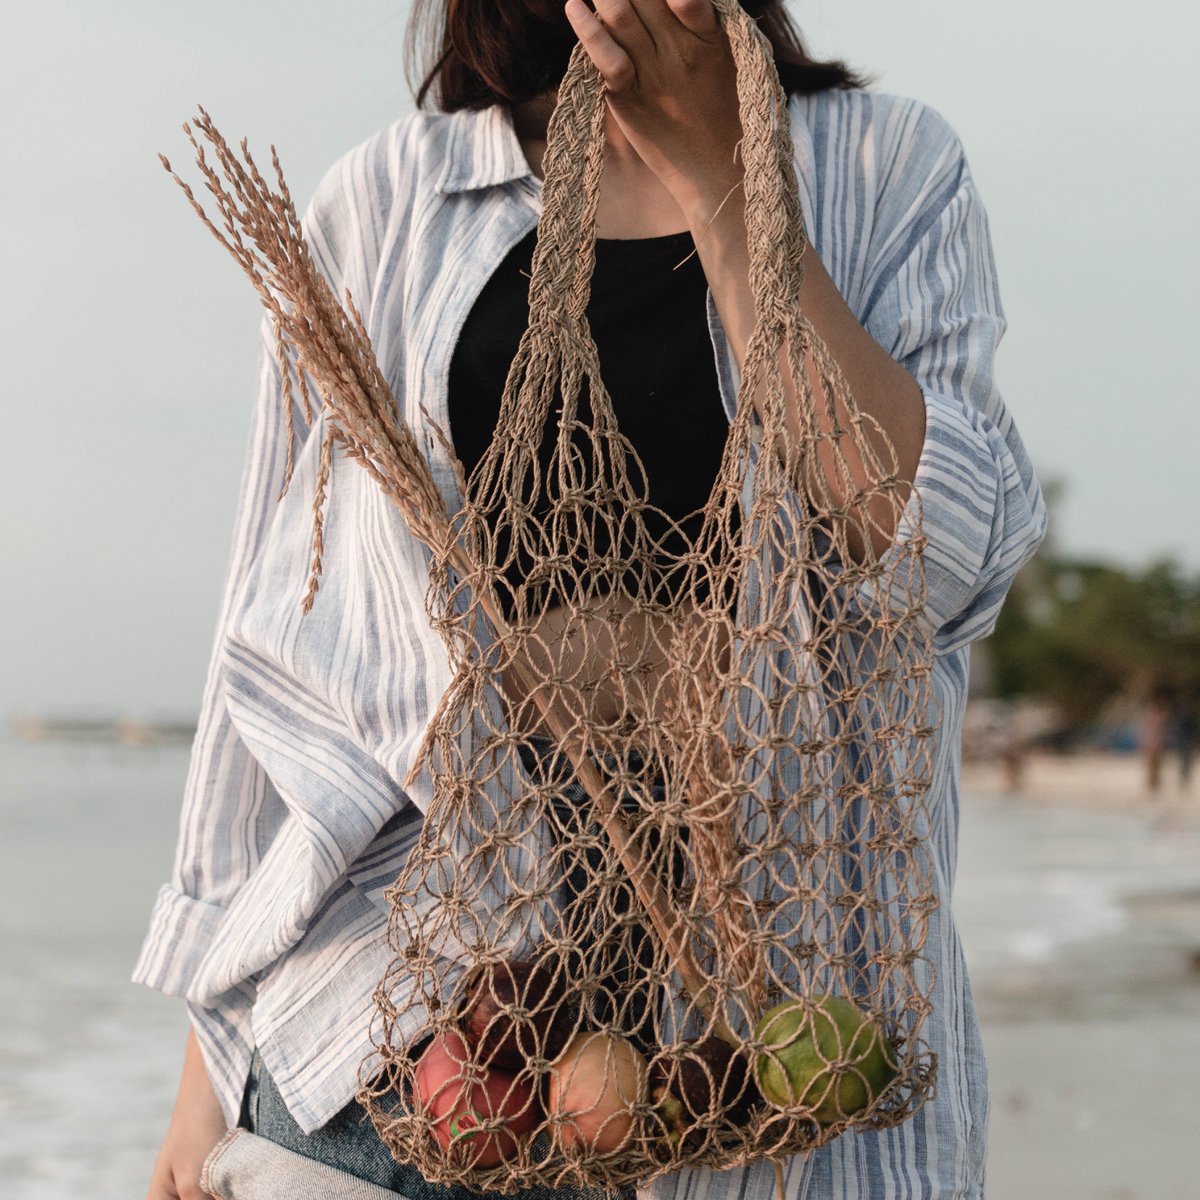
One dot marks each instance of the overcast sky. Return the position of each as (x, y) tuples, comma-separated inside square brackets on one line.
[(129, 336)]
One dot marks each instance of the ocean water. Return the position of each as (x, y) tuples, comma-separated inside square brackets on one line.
[(87, 1059), (1065, 915), (1033, 883)]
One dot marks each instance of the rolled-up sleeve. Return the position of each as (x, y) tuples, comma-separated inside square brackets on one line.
[(227, 791), (230, 806), (976, 503)]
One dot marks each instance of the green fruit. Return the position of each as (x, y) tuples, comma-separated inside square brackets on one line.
[(828, 1056)]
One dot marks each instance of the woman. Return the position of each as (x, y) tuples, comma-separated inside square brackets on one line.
[(273, 925)]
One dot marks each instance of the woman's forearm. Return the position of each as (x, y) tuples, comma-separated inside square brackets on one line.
[(880, 386), (197, 1125)]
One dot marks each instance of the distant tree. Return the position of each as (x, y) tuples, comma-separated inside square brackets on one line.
[(1082, 634)]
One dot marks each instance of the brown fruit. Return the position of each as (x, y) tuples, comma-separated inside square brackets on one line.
[(707, 1079)]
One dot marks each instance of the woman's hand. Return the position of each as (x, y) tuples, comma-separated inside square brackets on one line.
[(197, 1125), (672, 90), (671, 87)]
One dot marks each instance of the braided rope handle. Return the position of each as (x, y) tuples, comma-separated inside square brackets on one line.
[(574, 161)]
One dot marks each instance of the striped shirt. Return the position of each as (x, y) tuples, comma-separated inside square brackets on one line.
[(294, 822)]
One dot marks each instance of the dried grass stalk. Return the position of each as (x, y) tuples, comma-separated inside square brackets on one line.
[(317, 339)]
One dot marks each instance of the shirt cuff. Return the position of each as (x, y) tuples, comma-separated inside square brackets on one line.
[(181, 931), (946, 528)]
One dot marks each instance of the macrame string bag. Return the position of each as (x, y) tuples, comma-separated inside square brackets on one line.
[(672, 890), (731, 815)]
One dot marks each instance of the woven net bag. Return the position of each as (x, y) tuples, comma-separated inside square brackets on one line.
[(670, 899)]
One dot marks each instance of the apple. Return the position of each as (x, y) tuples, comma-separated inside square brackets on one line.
[(458, 1107), (592, 1090)]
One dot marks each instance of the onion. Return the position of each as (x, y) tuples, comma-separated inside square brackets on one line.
[(593, 1089), (458, 1107), (516, 1012), (705, 1079)]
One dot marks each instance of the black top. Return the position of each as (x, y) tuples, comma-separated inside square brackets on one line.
[(656, 358)]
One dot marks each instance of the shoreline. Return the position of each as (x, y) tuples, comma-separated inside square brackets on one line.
[(1099, 780), (1080, 916)]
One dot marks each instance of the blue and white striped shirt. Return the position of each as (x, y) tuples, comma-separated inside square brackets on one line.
[(294, 822)]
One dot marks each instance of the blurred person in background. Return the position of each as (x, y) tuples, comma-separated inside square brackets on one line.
[(1152, 737), (1185, 719)]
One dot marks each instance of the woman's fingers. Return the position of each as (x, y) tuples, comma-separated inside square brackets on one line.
[(697, 15), (621, 20), (614, 65), (656, 18), (620, 33), (661, 16)]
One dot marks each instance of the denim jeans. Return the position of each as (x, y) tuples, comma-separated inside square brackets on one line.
[(349, 1143), (244, 1166)]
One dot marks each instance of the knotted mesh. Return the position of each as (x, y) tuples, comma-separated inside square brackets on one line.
[(678, 780)]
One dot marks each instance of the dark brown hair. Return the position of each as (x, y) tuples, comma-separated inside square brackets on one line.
[(474, 53)]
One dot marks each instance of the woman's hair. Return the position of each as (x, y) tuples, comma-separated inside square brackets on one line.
[(474, 53)]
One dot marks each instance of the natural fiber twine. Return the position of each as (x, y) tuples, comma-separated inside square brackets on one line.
[(736, 816)]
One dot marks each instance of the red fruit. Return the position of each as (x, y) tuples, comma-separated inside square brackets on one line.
[(459, 1108)]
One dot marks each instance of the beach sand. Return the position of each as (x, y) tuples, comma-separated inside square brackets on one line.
[(1095, 780), (1079, 906)]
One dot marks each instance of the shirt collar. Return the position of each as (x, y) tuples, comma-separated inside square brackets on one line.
[(482, 150)]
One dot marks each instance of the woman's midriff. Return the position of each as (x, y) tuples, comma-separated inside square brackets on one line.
[(609, 662)]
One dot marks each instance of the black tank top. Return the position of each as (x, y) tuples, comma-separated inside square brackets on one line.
[(656, 358)]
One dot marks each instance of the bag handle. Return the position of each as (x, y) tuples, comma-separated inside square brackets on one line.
[(565, 255)]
